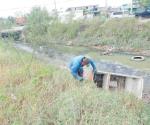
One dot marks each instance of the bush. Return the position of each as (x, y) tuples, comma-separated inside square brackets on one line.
[(129, 32), (37, 26), (61, 31)]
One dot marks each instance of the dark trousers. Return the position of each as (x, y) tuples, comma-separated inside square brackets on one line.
[(80, 72)]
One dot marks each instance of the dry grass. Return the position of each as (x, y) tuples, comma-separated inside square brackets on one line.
[(40, 94)]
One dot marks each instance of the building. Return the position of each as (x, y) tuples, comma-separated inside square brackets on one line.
[(80, 12), (130, 8), (21, 21)]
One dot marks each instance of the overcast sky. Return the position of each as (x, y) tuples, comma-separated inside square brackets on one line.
[(18, 7)]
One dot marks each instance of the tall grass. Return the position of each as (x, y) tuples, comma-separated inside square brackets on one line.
[(60, 31), (32, 92), (119, 33)]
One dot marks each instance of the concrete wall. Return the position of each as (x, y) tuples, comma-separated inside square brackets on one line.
[(130, 84), (116, 82), (134, 85)]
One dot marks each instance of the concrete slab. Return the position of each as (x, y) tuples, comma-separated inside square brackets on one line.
[(116, 81)]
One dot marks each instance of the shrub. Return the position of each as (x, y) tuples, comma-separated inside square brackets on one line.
[(37, 26)]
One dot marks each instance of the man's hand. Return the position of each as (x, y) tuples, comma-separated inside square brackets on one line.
[(80, 78)]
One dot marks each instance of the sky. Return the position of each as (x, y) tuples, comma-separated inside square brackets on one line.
[(20, 7)]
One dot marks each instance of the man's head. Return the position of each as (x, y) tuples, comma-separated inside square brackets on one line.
[(85, 61)]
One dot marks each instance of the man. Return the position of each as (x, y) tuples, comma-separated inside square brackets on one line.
[(76, 66)]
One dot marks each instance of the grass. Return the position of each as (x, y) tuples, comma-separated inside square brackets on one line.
[(126, 33), (125, 60), (115, 57), (33, 92), (147, 111), (69, 49)]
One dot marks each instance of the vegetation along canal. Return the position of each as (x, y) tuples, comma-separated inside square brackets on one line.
[(117, 63)]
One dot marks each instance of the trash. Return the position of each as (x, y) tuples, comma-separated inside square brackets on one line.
[(137, 58), (88, 73), (13, 97)]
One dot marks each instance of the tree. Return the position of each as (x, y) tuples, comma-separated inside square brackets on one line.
[(145, 2), (37, 24)]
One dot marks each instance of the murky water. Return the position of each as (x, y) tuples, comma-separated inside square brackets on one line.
[(62, 59)]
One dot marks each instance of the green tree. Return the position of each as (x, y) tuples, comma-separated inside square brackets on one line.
[(37, 24)]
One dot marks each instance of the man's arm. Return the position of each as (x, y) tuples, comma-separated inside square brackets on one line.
[(74, 72), (93, 65)]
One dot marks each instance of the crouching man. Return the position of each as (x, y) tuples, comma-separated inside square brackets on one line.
[(77, 64)]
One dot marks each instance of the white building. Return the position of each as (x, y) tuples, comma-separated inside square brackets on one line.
[(79, 12)]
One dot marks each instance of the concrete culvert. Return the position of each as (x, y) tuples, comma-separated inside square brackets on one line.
[(137, 58)]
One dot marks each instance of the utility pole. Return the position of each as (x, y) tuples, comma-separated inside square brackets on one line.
[(131, 11), (106, 4), (55, 9), (55, 5), (106, 7)]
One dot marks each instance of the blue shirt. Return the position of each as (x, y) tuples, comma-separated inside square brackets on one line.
[(75, 66)]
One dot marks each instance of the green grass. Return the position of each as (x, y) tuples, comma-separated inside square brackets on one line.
[(147, 111), (33, 92), (125, 60), (117, 58), (123, 33), (69, 49)]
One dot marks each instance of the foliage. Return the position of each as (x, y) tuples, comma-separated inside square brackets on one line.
[(6, 23), (127, 32), (58, 30), (37, 26), (75, 108), (145, 2), (32, 92)]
